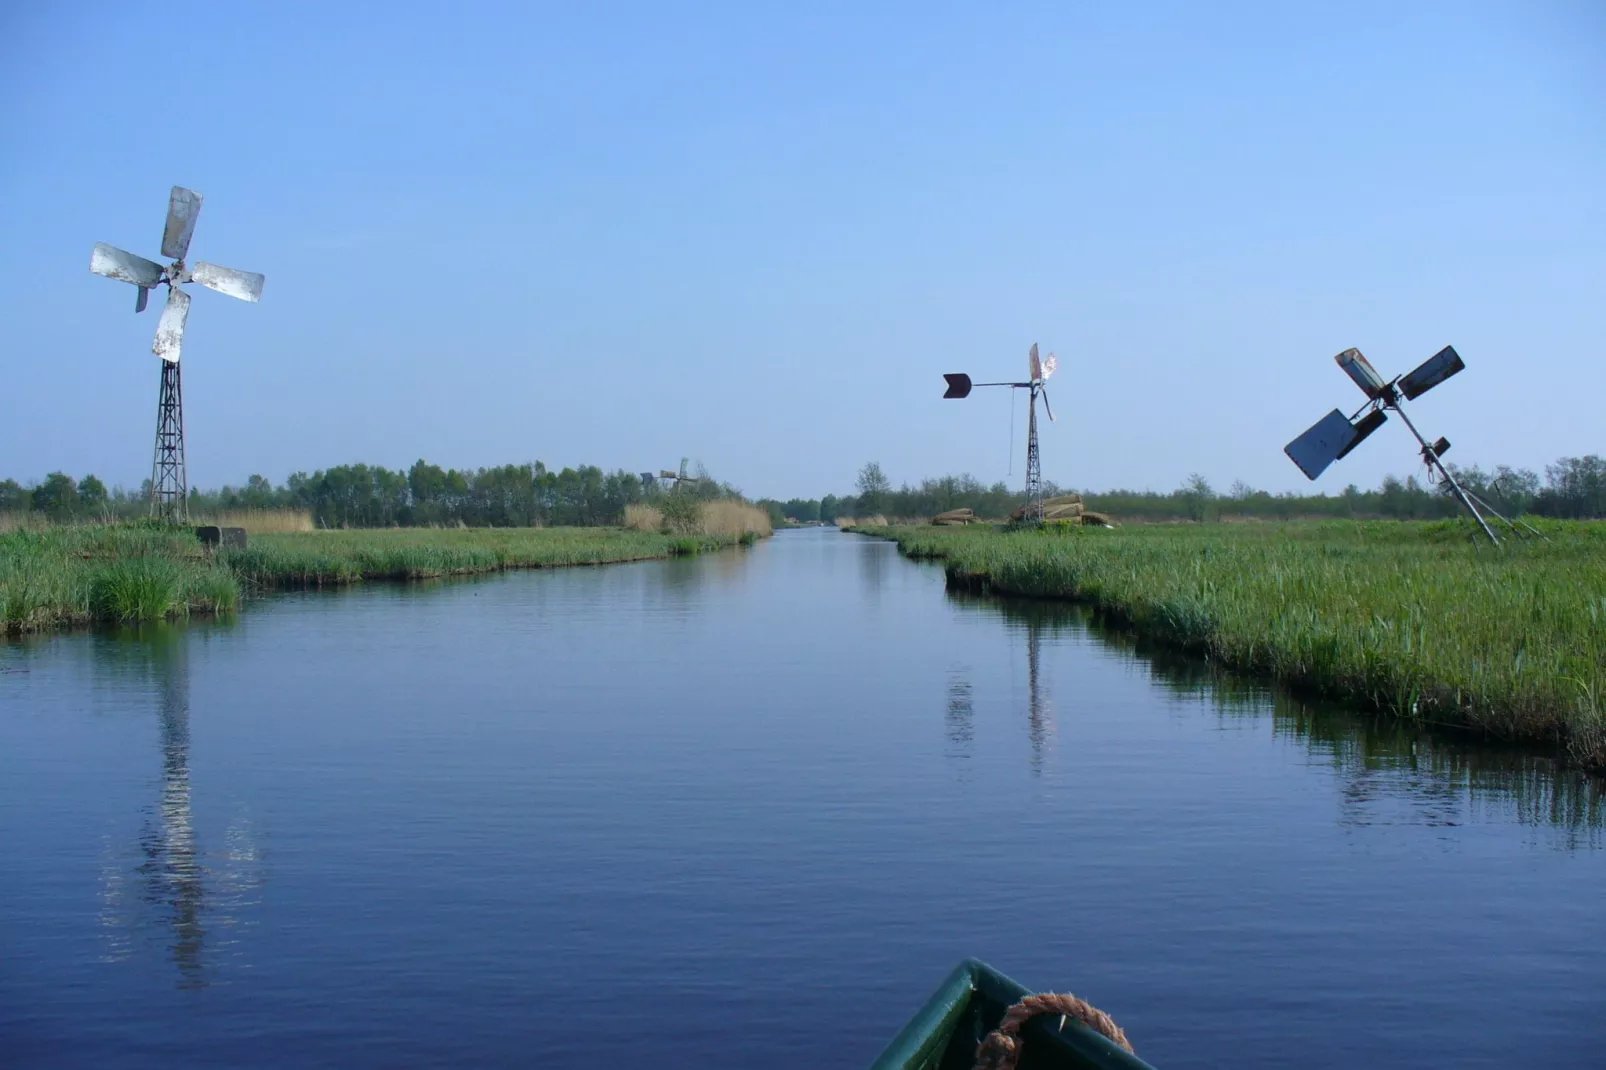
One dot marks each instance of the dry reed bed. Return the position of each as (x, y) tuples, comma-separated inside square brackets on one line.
[(1416, 620), (722, 518)]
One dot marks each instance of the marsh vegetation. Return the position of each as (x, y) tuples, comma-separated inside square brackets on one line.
[(62, 575), (1416, 620)]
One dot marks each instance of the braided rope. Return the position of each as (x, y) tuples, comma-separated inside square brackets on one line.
[(1000, 1049)]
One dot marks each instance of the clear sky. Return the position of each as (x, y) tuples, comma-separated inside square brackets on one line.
[(757, 234)]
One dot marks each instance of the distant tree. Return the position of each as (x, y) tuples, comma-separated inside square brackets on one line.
[(1198, 498), (776, 511), (828, 508), (56, 497), (13, 497), (873, 488), (1575, 487), (802, 510), (92, 497)]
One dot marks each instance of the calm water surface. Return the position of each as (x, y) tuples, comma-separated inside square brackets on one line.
[(748, 810)]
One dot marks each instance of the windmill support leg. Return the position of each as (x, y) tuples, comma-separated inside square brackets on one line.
[(1512, 524), (1455, 487), (169, 492)]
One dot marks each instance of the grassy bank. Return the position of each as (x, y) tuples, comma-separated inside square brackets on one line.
[(324, 558), (1416, 620), (82, 574), (57, 576)]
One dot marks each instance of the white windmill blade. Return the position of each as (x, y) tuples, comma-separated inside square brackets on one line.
[(114, 263), (1034, 367), (183, 207), (170, 329), (1050, 363), (1045, 402), (246, 285)]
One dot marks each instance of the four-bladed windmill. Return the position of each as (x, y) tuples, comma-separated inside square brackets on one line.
[(1335, 435), (676, 479), (168, 489), (959, 386)]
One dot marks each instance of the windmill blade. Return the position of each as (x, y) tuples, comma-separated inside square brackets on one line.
[(1327, 440), (114, 263), (1431, 372), (1050, 363), (1361, 371), (183, 207), (1364, 427), (170, 329), (246, 285), (1046, 408), (1034, 367), (143, 299)]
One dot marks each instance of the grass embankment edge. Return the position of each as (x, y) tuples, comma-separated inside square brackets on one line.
[(1401, 620)]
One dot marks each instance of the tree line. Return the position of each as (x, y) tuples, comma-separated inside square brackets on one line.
[(1572, 488), (369, 496), (521, 495)]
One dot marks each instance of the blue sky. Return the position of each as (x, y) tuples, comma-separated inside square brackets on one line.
[(757, 234)]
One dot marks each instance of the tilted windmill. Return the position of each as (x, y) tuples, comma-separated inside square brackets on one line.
[(959, 386), (168, 488), (1335, 435)]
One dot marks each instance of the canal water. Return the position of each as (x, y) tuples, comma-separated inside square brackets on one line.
[(748, 810)]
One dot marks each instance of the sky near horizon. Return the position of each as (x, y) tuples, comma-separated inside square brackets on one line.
[(757, 234)]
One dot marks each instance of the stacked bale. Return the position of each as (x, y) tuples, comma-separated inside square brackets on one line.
[(1065, 507), (955, 518)]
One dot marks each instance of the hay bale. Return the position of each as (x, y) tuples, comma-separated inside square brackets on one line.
[(1098, 520), (954, 517), (1064, 501)]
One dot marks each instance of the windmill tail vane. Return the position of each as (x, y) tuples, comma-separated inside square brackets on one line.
[(168, 481)]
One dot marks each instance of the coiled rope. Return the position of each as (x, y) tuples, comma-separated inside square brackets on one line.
[(1000, 1049)]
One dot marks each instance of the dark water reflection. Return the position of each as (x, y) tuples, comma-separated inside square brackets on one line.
[(1389, 771), (763, 800)]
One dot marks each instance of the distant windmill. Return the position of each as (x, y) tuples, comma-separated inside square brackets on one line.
[(675, 479), (1335, 435), (959, 386), (168, 488)]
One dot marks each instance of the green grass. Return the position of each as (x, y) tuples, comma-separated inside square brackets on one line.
[(324, 558), (75, 575), (1416, 620), (117, 572)]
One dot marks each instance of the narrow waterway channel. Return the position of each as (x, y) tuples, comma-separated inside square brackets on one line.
[(748, 810)]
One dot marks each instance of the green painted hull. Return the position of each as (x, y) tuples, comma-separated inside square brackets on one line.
[(969, 1005)]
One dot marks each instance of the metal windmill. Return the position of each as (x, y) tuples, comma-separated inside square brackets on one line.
[(675, 479), (959, 386), (1335, 435), (168, 489)]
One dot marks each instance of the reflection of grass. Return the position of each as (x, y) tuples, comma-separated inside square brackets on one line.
[(138, 572), (1429, 768), (1412, 619)]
